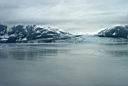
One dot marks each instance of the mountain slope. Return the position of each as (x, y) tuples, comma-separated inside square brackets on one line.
[(120, 31), (30, 33)]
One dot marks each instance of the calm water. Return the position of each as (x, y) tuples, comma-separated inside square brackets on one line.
[(89, 64)]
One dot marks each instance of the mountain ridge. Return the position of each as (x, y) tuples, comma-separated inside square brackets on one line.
[(116, 31), (27, 33)]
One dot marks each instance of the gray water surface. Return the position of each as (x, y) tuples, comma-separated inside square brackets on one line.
[(64, 64)]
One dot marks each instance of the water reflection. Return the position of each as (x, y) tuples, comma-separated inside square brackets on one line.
[(117, 53), (32, 54), (29, 52), (115, 49), (63, 65), (3, 54)]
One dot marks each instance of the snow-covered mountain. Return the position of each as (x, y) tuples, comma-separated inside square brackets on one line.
[(31, 33), (118, 31), (45, 34)]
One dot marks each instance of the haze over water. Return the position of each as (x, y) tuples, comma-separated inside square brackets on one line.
[(64, 64)]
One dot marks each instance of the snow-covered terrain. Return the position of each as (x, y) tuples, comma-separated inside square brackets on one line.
[(31, 33), (48, 34), (118, 31)]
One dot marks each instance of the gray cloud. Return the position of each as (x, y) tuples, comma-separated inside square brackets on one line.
[(72, 15)]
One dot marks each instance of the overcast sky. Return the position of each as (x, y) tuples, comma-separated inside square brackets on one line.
[(71, 15)]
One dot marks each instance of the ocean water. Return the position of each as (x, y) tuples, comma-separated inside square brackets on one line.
[(92, 63)]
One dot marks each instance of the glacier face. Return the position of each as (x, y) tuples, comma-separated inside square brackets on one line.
[(118, 31), (31, 33)]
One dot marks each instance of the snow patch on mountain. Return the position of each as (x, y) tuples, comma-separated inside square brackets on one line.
[(31, 33), (116, 31)]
